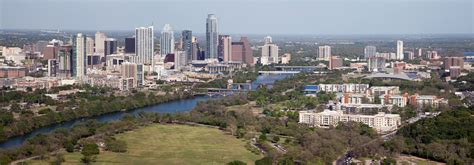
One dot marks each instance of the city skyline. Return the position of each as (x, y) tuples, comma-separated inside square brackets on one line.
[(418, 17)]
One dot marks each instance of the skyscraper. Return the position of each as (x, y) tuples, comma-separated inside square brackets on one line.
[(225, 48), (130, 45), (166, 40), (241, 51), (324, 52), (195, 49), (81, 57), (99, 42), (179, 59), (90, 46), (269, 54), (370, 51), (187, 40), (211, 37), (144, 45), (399, 50), (110, 46)]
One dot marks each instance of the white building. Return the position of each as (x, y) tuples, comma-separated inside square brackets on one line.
[(286, 58), (324, 52), (269, 54), (399, 50), (179, 59), (89, 45), (381, 122), (267, 40), (225, 47), (370, 51), (81, 56), (383, 90), (344, 88), (100, 43), (144, 45), (167, 40)]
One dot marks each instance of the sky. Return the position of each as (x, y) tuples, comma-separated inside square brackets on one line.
[(246, 16)]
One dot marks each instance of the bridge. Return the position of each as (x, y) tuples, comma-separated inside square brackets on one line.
[(298, 68), (220, 91), (278, 72)]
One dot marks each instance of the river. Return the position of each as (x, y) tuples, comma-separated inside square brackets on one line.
[(184, 105)]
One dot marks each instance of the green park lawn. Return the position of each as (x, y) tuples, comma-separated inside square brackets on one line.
[(173, 144)]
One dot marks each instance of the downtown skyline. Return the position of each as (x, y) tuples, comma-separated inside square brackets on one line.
[(246, 17)]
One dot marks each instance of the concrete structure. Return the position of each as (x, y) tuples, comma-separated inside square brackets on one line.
[(375, 64), (383, 90), (453, 61), (12, 72), (352, 98), (286, 58), (324, 53), (269, 54), (432, 55), (267, 40), (180, 59), (344, 88), (80, 56), (52, 68), (166, 40), (90, 45), (335, 62), (50, 52), (370, 51), (211, 37), (241, 51), (144, 45), (399, 50), (225, 48), (381, 122), (398, 100), (99, 42)]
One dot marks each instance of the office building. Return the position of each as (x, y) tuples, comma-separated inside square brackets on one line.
[(130, 45), (167, 40), (211, 37), (52, 68), (370, 51), (324, 52), (50, 52), (225, 48), (110, 46), (81, 57), (179, 60), (453, 61), (90, 45), (187, 41), (65, 62), (344, 88), (286, 58), (399, 50), (432, 55), (242, 52), (335, 62), (99, 42), (269, 54), (195, 50), (144, 45), (376, 64)]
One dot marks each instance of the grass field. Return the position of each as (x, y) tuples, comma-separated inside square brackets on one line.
[(173, 144)]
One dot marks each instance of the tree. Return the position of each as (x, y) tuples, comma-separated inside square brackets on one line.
[(236, 162), (15, 107), (59, 159), (264, 161), (88, 152), (262, 137), (276, 139), (69, 146)]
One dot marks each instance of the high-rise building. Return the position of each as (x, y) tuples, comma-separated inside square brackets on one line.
[(324, 52), (50, 52), (144, 45), (211, 37), (420, 52), (225, 48), (187, 40), (66, 61), (179, 59), (269, 54), (376, 64), (335, 62), (99, 42), (241, 51), (195, 49), (267, 40), (130, 70), (52, 68), (81, 57), (399, 50), (453, 61), (166, 40), (110, 46), (130, 45), (370, 51), (432, 55), (89, 45)]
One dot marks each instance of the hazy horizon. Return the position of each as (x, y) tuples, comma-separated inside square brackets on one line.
[(279, 17)]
